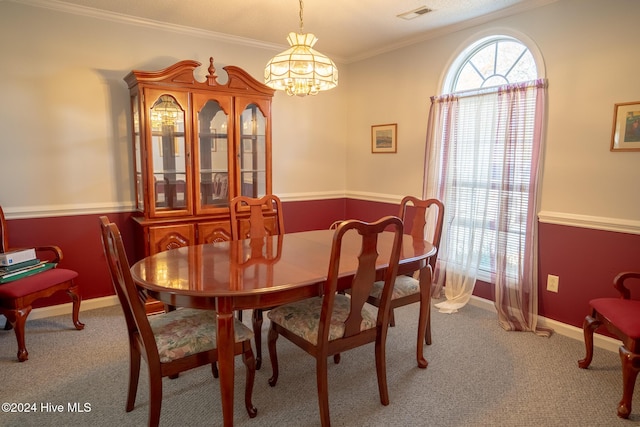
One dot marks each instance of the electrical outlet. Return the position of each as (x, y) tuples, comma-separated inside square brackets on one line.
[(552, 283)]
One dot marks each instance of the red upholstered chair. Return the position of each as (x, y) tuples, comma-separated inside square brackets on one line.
[(17, 297), (621, 317)]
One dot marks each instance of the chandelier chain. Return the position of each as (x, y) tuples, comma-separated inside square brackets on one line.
[(301, 23)]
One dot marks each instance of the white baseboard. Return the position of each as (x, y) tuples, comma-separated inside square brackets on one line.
[(62, 309), (600, 341)]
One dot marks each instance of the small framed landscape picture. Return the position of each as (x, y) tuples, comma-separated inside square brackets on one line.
[(626, 127), (384, 138)]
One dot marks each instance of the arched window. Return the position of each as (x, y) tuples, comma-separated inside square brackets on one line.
[(491, 62), (483, 150)]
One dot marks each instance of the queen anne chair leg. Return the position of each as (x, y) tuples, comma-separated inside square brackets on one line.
[(273, 355), (257, 320), (427, 333), (589, 326), (17, 320), (630, 368), (75, 297), (250, 362), (214, 370)]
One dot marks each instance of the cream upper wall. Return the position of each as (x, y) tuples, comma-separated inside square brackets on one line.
[(64, 118), (64, 112), (589, 48)]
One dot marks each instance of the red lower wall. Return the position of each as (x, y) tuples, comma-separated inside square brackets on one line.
[(585, 260), (312, 214), (79, 239)]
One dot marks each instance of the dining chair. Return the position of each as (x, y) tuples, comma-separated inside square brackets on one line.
[(406, 289), (335, 322), (171, 342), (17, 297), (256, 218), (621, 317)]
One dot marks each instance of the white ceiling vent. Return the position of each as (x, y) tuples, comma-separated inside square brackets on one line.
[(415, 13)]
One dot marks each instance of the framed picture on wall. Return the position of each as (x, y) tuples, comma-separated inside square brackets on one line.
[(626, 127), (384, 138)]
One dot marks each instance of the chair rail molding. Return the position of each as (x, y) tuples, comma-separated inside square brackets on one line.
[(619, 225), (46, 211)]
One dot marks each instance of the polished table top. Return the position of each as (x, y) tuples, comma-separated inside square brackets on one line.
[(260, 273), (263, 267)]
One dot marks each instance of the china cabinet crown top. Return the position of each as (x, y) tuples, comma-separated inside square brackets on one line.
[(182, 74)]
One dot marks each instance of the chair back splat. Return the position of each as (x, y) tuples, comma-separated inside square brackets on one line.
[(171, 342), (419, 218), (407, 289), (252, 217), (335, 322), (256, 218)]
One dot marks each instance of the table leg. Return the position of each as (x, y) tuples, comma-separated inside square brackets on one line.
[(226, 359), (423, 320)]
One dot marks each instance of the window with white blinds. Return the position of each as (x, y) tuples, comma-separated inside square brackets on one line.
[(489, 159)]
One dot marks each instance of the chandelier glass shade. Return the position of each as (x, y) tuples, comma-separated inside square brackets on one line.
[(301, 70), (166, 112)]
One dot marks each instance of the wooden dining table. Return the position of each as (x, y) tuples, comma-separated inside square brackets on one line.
[(262, 273)]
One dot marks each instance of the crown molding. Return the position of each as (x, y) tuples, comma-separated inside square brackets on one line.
[(449, 29), (158, 25), (147, 23)]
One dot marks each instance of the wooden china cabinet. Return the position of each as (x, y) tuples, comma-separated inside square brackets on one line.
[(196, 146)]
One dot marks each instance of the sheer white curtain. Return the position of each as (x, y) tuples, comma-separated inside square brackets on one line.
[(482, 160), (516, 280)]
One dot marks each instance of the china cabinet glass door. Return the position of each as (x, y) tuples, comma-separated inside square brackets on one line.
[(169, 153), (212, 158), (137, 153), (252, 152)]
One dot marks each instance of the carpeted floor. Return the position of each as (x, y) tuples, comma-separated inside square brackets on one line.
[(478, 375)]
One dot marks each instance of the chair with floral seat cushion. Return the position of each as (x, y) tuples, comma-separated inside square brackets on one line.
[(335, 322), (171, 342), (17, 297), (256, 218), (406, 289), (621, 317)]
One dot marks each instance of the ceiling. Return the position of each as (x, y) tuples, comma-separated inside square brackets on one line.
[(347, 30)]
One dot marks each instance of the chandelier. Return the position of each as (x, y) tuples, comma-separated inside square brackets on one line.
[(301, 70), (165, 112)]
